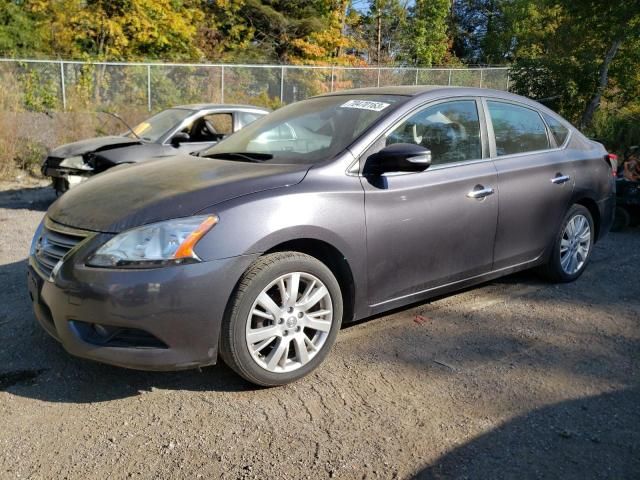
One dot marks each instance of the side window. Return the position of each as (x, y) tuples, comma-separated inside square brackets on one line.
[(517, 129), (245, 118), (210, 128), (222, 123), (559, 131), (451, 130)]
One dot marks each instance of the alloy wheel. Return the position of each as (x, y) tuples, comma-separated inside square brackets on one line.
[(289, 322), (575, 244)]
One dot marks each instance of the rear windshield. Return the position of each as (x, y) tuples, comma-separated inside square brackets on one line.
[(307, 132)]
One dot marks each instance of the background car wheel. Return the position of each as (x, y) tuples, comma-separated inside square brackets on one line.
[(622, 219), (572, 247), (60, 185), (282, 320)]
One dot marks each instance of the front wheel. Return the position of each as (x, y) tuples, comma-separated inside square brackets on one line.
[(572, 247), (60, 185), (283, 318)]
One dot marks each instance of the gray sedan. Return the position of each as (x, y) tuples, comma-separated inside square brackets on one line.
[(182, 129), (324, 212)]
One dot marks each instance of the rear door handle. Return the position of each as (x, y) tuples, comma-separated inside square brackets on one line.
[(560, 179), (480, 192)]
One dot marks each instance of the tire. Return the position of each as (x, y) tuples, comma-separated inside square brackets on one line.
[(557, 269), (621, 219), (265, 334), (60, 185)]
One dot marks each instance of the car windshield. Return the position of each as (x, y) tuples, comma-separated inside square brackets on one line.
[(152, 129), (306, 132)]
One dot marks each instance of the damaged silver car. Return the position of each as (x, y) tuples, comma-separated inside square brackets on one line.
[(182, 129)]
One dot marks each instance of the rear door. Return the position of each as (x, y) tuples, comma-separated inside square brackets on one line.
[(425, 229), (535, 181)]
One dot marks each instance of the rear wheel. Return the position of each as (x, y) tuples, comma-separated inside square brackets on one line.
[(283, 318), (572, 247)]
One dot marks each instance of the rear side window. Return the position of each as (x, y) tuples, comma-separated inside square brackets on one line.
[(517, 129), (559, 131), (245, 118)]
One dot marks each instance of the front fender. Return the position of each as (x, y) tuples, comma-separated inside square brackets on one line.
[(328, 211)]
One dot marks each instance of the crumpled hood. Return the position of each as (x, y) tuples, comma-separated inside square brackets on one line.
[(91, 145), (130, 196)]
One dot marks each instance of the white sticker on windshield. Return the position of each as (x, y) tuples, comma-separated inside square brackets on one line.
[(365, 105)]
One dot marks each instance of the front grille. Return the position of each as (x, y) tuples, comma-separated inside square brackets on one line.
[(54, 243)]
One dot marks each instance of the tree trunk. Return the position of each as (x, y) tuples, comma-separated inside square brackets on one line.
[(587, 116)]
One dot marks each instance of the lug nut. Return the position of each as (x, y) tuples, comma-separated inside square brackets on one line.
[(285, 333), (300, 314), (290, 309), (298, 328), (281, 321)]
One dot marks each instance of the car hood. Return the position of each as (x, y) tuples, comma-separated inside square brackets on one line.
[(92, 145), (130, 196)]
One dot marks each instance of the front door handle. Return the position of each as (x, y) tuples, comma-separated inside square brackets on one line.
[(480, 192), (560, 179)]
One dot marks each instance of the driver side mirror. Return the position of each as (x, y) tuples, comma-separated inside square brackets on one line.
[(179, 138), (398, 157)]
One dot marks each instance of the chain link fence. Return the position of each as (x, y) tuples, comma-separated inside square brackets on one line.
[(37, 85), (44, 104)]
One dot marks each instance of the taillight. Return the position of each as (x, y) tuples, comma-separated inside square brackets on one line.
[(612, 160)]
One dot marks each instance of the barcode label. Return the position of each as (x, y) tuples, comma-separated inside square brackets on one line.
[(365, 105)]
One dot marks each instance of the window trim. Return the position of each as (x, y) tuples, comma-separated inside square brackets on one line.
[(484, 137), (492, 136)]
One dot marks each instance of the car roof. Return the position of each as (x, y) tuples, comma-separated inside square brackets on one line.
[(429, 90), (220, 106), (439, 91)]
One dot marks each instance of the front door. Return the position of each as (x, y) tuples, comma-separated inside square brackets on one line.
[(435, 227)]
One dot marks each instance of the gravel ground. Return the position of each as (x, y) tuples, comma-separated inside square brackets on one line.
[(514, 379)]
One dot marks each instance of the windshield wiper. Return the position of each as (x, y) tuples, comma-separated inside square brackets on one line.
[(242, 156)]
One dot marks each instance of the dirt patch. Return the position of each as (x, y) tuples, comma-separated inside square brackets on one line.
[(514, 379)]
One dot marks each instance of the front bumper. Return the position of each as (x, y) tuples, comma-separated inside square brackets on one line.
[(180, 306)]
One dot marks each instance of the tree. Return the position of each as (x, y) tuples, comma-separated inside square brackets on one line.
[(382, 31), (19, 33), (427, 33), (566, 49)]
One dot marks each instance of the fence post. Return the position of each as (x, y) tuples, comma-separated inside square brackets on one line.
[(481, 72), (222, 85), (508, 72), (417, 75), (282, 84), (333, 69), (378, 76), (449, 77), (149, 87), (62, 87)]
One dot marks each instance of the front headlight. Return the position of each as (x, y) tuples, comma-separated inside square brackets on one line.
[(76, 163), (157, 244)]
